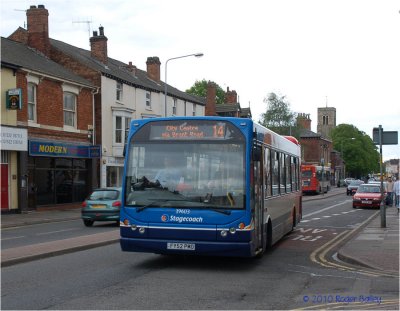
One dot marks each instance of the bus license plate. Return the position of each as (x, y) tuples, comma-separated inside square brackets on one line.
[(182, 246)]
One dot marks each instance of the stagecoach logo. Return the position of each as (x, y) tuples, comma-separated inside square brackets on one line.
[(178, 219)]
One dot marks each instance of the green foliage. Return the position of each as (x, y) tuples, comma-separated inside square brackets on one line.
[(357, 148), (199, 88), (278, 116)]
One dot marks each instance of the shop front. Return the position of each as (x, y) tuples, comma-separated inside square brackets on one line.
[(60, 173), (14, 147)]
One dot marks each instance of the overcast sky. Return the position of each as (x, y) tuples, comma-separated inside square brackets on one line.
[(340, 53)]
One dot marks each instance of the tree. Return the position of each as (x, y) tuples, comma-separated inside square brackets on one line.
[(199, 88), (278, 116), (357, 149)]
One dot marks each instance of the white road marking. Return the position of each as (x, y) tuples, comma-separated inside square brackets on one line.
[(327, 208), (51, 232)]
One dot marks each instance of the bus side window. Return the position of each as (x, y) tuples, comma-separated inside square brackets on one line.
[(268, 172), (275, 172)]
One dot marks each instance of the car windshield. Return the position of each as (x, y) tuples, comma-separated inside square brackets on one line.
[(199, 174), (102, 195), (369, 189)]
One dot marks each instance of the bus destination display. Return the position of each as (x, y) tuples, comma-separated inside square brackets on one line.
[(176, 131)]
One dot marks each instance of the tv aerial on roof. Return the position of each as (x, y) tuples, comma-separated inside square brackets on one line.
[(88, 22)]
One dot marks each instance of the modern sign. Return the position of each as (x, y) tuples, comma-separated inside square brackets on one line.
[(55, 149), (388, 137)]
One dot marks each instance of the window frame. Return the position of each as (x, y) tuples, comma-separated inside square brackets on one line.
[(32, 102), (174, 106), (148, 100), (119, 88), (67, 94), (123, 131)]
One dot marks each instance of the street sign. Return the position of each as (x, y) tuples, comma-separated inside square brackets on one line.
[(388, 137)]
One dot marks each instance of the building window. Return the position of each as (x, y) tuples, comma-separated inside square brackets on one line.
[(114, 176), (325, 120), (32, 102), (127, 125), (121, 129), (119, 91), (148, 100), (118, 130), (194, 110), (174, 107), (69, 109)]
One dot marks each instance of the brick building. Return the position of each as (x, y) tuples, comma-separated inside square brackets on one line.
[(230, 108), (58, 166), (316, 149), (122, 91)]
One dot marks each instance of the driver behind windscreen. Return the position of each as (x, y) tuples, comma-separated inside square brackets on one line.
[(170, 175)]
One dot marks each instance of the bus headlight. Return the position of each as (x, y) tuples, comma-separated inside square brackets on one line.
[(141, 230), (232, 230), (224, 233), (133, 227)]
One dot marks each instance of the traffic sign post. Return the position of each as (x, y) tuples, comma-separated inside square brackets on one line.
[(383, 138)]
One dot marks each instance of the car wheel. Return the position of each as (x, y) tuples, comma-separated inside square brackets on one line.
[(354, 206), (88, 223)]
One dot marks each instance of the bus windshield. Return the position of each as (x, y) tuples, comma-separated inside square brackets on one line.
[(193, 173)]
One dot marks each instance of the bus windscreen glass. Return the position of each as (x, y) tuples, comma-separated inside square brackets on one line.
[(191, 164)]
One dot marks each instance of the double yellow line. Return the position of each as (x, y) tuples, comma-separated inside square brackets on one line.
[(384, 305), (319, 256)]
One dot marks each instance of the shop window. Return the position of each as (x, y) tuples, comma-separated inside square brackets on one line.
[(114, 176), (63, 163), (80, 190), (44, 187), (63, 184), (42, 162), (80, 164)]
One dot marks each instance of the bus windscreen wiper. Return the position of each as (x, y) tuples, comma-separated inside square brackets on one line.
[(152, 203), (217, 209)]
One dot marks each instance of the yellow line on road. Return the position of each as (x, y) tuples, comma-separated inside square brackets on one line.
[(319, 255)]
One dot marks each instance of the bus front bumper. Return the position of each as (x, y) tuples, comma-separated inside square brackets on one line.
[(183, 247)]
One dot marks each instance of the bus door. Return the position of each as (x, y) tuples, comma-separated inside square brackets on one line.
[(258, 196)]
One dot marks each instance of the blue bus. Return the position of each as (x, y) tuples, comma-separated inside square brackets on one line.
[(233, 187)]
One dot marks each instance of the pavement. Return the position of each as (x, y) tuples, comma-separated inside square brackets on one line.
[(369, 245)]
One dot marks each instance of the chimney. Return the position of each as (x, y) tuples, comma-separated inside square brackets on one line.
[(98, 46), (153, 68), (211, 99), (38, 28), (131, 68), (230, 96), (304, 121)]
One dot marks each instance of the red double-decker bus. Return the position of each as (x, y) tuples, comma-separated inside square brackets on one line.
[(315, 178)]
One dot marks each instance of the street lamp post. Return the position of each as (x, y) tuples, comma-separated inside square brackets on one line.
[(165, 81)]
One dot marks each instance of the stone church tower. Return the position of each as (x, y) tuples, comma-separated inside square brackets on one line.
[(326, 121)]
